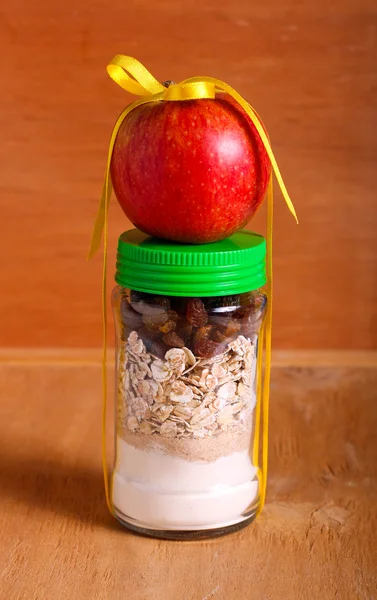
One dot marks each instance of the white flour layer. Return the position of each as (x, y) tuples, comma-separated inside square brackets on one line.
[(162, 491)]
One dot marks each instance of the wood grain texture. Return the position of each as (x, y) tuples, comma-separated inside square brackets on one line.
[(308, 68), (315, 539)]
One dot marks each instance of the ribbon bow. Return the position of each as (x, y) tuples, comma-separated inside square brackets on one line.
[(133, 77)]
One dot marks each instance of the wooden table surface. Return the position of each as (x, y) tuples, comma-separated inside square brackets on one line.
[(316, 538)]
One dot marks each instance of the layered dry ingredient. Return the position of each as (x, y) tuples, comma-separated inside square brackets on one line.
[(183, 396), (186, 394)]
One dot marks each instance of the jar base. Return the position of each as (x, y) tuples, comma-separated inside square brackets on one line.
[(176, 534)]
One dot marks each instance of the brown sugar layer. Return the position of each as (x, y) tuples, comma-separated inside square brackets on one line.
[(206, 449)]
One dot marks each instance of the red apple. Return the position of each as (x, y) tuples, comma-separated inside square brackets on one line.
[(191, 171)]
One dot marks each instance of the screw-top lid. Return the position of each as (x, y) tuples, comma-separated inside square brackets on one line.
[(232, 266)]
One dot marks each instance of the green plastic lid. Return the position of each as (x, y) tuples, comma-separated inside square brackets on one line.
[(232, 266)]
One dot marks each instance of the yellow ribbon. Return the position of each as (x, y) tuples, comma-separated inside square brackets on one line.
[(263, 378), (133, 77)]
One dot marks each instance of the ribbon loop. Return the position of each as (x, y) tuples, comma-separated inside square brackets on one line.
[(133, 77)]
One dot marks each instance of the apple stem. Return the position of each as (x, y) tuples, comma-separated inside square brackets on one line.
[(168, 82)]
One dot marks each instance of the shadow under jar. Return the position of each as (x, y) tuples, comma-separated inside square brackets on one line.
[(186, 361)]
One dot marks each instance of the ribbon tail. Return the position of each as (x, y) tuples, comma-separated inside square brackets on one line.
[(251, 112), (99, 223), (268, 336), (107, 185), (101, 227)]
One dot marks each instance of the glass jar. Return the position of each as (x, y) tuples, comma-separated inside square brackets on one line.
[(186, 384)]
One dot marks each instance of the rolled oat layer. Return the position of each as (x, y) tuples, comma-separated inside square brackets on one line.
[(187, 399)]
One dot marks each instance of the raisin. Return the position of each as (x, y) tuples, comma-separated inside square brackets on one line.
[(220, 321), (173, 315), (155, 321), (203, 333), (232, 328), (240, 313), (208, 348), (253, 316), (146, 333), (124, 333), (247, 305), (251, 325), (140, 296), (225, 323), (217, 336), (196, 314), (146, 304), (179, 304), (158, 348), (225, 330), (248, 299), (149, 336), (170, 325), (162, 302), (129, 316), (184, 330), (173, 340)]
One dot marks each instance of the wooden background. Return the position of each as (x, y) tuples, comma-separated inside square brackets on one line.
[(307, 67)]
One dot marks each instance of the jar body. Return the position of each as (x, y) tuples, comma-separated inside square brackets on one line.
[(185, 406)]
